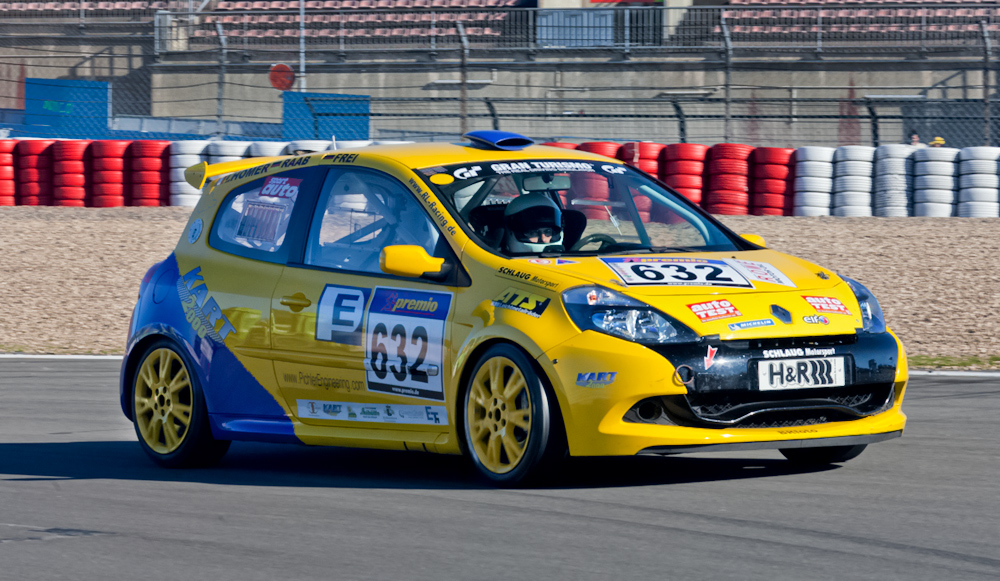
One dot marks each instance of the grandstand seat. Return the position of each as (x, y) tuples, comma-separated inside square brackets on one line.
[(314, 5), (349, 4), (242, 6), (224, 6), (366, 4)]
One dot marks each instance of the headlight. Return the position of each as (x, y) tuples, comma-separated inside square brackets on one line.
[(871, 313), (606, 311)]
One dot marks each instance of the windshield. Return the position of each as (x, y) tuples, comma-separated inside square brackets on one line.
[(573, 207)]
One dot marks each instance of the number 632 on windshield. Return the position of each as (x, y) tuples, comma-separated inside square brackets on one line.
[(672, 271), (404, 342)]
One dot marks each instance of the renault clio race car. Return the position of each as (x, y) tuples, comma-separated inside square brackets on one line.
[(499, 299)]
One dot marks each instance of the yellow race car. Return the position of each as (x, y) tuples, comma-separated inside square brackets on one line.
[(499, 299)]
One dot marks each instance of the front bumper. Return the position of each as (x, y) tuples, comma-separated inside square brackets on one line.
[(600, 381)]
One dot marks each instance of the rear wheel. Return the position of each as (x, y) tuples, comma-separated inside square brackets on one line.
[(169, 413), (827, 455), (509, 430)]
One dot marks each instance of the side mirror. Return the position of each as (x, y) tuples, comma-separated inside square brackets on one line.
[(409, 260), (754, 239)]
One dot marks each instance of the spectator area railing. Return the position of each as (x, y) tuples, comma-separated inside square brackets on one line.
[(345, 26)]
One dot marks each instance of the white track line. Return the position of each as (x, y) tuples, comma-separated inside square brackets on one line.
[(63, 357), (946, 373)]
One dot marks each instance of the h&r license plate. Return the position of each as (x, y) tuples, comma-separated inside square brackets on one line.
[(799, 373)]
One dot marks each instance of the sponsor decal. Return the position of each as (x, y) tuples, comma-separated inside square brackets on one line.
[(195, 231), (318, 380), (340, 313), (742, 325), (816, 320), (710, 358), (613, 169), (201, 310), (548, 261), (521, 301), (432, 206), (596, 379), (714, 310), (798, 352), (651, 270), (761, 272), (280, 187), (527, 277), (827, 305), (534, 166), (404, 341), (464, 173), (423, 415), (341, 157), (257, 170)]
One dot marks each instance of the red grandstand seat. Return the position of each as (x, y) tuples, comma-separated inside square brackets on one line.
[(153, 6), (314, 5), (290, 33), (138, 5), (331, 5), (349, 4), (293, 5), (439, 3), (382, 4), (457, 3), (366, 4)]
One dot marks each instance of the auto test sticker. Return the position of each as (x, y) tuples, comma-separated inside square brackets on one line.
[(423, 415), (714, 310), (404, 344), (828, 305)]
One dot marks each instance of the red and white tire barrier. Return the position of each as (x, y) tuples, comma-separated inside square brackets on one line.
[(107, 173), (150, 175), (7, 172), (682, 167), (33, 159), (771, 189), (69, 173)]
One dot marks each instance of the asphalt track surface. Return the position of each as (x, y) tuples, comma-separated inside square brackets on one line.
[(79, 500)]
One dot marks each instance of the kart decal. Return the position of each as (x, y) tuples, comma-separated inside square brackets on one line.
[(200, 310), (598, 379), (404, 344), (522, 302), (380, 413), (645, 270), (828, 305), (714, 310), (339, 314)]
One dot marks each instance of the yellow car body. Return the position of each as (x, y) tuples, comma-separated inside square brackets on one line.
[(271, 368)]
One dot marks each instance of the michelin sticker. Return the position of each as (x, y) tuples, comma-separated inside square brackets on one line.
[(742, 325), (404, 346), (340, 313), (421, 415)]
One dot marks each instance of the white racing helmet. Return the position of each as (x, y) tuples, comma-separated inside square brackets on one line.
[(531, 212)]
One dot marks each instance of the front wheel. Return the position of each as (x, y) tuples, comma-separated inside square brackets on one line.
[(169, 413), (510, 432), (826, 455)]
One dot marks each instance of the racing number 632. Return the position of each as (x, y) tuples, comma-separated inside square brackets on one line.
[(398, 367), (681, 272)]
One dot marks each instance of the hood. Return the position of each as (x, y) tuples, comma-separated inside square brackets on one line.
[(736, 295)]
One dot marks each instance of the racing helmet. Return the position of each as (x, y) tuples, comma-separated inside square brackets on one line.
[(527, 213)]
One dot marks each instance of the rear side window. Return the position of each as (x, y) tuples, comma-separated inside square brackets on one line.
[(253, 220)]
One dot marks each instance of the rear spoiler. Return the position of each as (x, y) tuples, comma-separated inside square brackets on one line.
[(198, 174)]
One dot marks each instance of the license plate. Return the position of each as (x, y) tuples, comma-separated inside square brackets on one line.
[(799, 373)]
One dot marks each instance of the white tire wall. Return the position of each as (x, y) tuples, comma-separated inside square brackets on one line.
[(268, 148), (813, 185), (894, 183), (184, 154), (978, 182)]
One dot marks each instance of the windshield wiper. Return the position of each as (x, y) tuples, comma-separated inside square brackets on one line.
[(653, 250)]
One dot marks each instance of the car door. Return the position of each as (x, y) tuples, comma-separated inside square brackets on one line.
[(229, 282), (351, 343)]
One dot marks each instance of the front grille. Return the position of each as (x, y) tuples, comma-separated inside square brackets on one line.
[(763, 409)]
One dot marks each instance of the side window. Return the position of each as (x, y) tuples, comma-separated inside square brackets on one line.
[(361, 212), (253, 219)]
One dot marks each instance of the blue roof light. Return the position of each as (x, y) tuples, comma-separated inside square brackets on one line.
[(504, 140)]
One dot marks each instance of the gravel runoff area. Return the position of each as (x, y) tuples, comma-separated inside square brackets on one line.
[(69, 276)]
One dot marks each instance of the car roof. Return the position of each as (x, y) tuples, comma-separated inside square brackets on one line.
[(421, 155)]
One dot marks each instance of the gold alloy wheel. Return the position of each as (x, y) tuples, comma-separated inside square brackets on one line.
[(498, 414), (163, 401)]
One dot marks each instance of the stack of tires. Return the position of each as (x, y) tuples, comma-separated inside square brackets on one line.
[(223, 151), (893, 180), (590, 195), (728, 179), (771, 188), (935, 182), (605, 148), (979, 181), (355, 143), (34, 172), (682, 168), (268, 148), (184, 154), (150, 173), (107, 173), (7, 184), (69, 171), (560, 144), (852, 180), (309, 146), (813, 181), (643, 155)]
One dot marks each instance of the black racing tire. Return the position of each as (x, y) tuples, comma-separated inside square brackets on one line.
[(541, 447), (822, 456), (194, 445)]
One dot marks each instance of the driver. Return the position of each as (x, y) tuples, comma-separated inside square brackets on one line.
[(534, 222)]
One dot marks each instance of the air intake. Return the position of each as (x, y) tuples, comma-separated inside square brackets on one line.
[(503, 140)]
